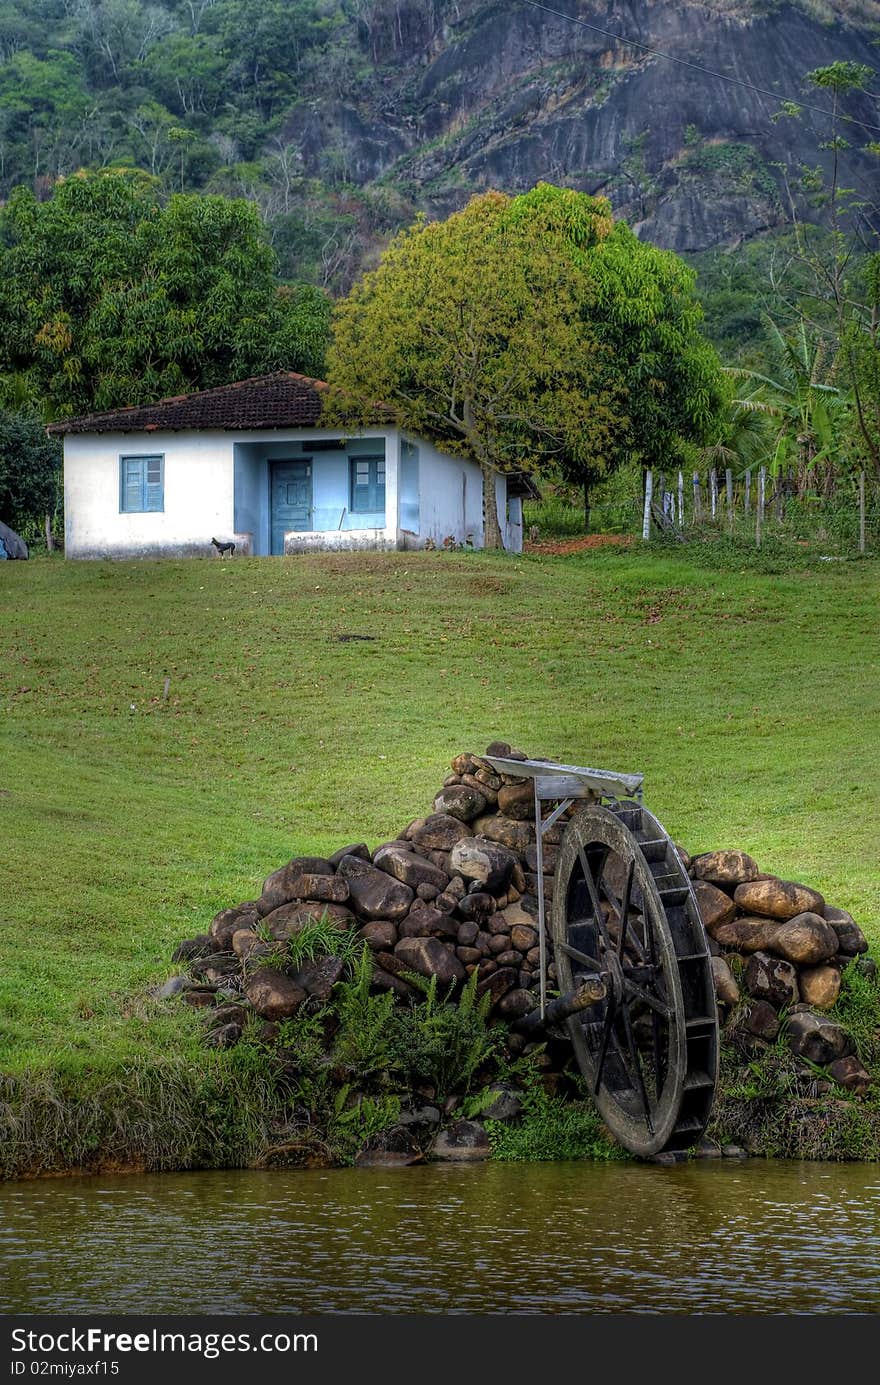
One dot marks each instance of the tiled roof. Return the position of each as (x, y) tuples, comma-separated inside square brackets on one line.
[(281, 400)]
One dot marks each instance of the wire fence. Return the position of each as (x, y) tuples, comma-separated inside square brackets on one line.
[(760, 502), (752, 509)]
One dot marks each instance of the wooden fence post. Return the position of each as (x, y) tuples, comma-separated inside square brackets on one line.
[(862, 512), (759, 522), (649, 491), (680, 500), (713, 492), (698, 504), (748, 498), (728, 486)]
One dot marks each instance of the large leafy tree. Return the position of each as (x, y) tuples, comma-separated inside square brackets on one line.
[(30, 470), (111, 296), (470, 330), (532, 332), (641, 307)]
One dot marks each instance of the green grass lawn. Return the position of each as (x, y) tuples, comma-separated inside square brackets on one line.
[(749, 700)]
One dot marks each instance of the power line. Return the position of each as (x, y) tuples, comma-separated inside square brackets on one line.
[(697, 67)]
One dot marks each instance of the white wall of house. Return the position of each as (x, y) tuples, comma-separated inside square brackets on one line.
[(198, 499), (215, 484)]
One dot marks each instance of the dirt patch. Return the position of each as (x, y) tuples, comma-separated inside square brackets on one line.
[(564, 546)]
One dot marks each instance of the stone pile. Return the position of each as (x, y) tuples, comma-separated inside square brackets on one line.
[(456, 893), (788, 948)]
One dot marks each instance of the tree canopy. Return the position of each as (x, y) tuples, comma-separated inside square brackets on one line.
[(531, 332), (112, 295), (30, 471), (470, 330)]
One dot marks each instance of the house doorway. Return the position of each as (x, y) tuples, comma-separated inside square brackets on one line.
[(290, 500)]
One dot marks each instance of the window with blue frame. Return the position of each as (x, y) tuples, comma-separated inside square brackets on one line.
[(141, 484), (367, 485)]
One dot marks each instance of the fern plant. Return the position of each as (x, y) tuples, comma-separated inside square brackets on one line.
[(364, 1039)]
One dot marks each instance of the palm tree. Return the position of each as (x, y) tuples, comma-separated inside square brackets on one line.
[(806, 414)]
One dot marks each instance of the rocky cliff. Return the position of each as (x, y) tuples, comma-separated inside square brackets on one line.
[(447, 99)]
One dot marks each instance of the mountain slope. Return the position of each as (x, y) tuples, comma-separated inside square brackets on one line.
[(506, 95)]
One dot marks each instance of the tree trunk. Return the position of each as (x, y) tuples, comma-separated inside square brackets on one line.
[(492, 537), (586, 508)]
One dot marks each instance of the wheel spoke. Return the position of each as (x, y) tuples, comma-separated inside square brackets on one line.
[(577, 956), (590, 883), (623, 914), (637, 1069), (606, 1035), (639, 993), (621, 907)]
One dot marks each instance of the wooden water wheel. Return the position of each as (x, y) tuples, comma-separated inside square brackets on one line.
[(623, 910)]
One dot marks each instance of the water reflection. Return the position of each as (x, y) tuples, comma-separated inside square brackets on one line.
[(492, 1238)]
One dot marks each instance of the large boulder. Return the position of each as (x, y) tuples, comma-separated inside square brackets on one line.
[(762, 1021), (497, 983), (463, 1140), (819, 986), (439, 832), (771, 979), (488, 863), (817, 1038), (724, 867), (716, 907), (273, 994), (202, 945), (278, 887), (515, 1003), (461, 801), (380, 935), (517, 800), (516, 836), (289, 919), (374, 893), (477, 906), (850, 938), (805, 939), (409, 868), (850, 1073), (331, 888), (319, 976), (426, 922), (726, 989), (745, 935), (429, 957), (778, 899)]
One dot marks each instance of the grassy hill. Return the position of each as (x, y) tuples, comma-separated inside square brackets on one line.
[(749, 700)]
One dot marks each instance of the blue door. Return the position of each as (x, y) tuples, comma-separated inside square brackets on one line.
[(291, 500)]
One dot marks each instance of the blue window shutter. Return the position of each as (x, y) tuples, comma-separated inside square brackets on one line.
[(367, 484), (141, 484), (153, 496)]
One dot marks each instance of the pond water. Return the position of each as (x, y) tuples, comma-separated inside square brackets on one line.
[(751, 1237)]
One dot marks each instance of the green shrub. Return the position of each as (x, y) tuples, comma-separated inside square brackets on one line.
[(364, 1039), (445, 1044), (552, 1127)]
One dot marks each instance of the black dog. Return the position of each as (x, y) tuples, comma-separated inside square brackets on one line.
[(223, 547)]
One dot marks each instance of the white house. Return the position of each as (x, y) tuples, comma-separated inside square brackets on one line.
[(252, 463)]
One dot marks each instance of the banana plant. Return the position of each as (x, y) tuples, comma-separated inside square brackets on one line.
[(806, 415)]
